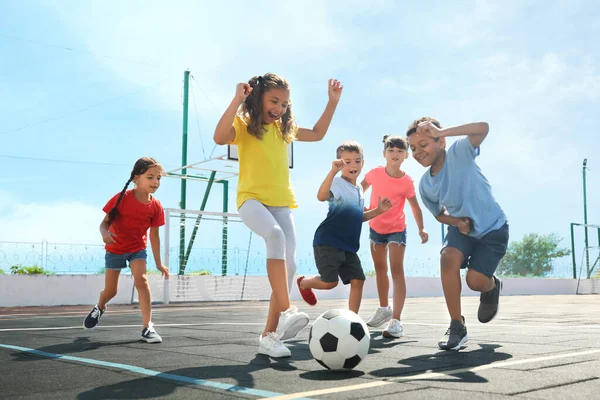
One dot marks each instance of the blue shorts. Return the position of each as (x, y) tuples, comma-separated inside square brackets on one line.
[(482, 255), (119, 261), (387, 238)]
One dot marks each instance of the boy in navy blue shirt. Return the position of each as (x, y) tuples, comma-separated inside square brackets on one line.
[(457, 193), (336, 240)]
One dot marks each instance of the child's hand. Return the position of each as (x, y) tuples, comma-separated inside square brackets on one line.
[(424, 236), (242, 91), (384, 204), (464, 226), (337, 165), (427, 128), (108, 238), (335, 90), (164, 271)]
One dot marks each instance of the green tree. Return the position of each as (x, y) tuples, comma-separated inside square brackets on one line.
[(533, 255)]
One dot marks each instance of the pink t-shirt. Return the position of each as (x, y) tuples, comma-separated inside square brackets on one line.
[(397, 190)]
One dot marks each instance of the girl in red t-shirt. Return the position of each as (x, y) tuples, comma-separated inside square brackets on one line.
[(129, 215), (388, 231)]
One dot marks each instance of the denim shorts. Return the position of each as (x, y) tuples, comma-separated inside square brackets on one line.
[(119, 261), (484, 254), (387, 238)]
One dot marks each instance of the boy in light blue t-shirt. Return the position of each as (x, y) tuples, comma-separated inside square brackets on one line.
[(336, 240), (457, 193)]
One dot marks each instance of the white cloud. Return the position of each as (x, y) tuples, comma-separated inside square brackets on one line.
[(61, 222)]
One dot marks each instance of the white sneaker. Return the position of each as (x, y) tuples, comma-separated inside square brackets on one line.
[(394, 329), (271, 346), (380, 317), (291, 321)]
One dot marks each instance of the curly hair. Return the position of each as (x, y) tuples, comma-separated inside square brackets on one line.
[(140, 167), (394, 141), (252, 107), (412, 128)]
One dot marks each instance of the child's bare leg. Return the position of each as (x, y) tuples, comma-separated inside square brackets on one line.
[(450, 261), (111, 284), (280, 298), (315, 282), (356, 289), (379, 254), (140, 280), (398, 280), (479, 282)]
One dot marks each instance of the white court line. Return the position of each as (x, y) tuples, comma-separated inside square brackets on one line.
[(429, 375), (62, 328), (154, 310)]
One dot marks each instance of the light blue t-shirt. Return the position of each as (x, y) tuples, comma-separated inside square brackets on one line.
[(463, 190), (342, 226)]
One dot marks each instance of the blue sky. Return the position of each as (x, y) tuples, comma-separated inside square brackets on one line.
[(100, 83)]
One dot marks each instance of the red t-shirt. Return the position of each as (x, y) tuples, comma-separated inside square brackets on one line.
[(132, 222)]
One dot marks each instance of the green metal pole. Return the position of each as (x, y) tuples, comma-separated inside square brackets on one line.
[(199, 218), (585, 221), (224, 246), (573, 252), (182, 205)]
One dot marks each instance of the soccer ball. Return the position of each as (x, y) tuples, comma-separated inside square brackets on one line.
[(339, 339)]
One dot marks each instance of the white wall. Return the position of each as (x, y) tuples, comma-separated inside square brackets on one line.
[(23, 290)]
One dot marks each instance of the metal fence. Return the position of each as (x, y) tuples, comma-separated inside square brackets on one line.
[(64, 258)]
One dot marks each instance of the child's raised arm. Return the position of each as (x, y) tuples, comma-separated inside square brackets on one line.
[(324, 192), (320, 129), (418, 214), (224, 132), (365, 185), (476, 131)]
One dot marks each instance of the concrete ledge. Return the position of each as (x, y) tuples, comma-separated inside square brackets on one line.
[(56, 290)]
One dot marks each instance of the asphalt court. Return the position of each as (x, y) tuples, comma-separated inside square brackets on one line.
[(539, 347)]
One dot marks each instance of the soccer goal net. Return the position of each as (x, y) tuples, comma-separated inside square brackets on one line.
[(212, 256), (585, 248)]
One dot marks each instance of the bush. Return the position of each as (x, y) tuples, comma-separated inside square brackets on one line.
[(33, 270), (2, 271), (202, 272)]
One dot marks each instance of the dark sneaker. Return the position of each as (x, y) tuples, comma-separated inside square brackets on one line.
[(455, 337), (149, 335), (307, 294), (488, 303), (93, 317)]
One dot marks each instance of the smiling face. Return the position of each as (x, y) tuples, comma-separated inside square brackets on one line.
[(354, 165), (426, 150), (394, 156), (149, 181), (275, 103)]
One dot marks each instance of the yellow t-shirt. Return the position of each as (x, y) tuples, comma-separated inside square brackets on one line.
[(264, 173)]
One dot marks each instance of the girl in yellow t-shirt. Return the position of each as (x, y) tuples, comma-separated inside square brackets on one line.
[(260, 122)]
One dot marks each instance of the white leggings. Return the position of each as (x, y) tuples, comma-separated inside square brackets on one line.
[(276, 226)]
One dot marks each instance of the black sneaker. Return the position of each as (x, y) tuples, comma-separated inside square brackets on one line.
[(455, 337), (488, 303), (93, 317), (149, 335)]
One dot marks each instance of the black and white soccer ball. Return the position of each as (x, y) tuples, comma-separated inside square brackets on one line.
[(339, 339)]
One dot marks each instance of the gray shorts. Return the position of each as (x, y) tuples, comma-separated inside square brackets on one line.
[(333, 262)]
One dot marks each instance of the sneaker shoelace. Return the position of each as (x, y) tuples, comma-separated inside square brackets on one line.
[(95, 313), (273, 339)]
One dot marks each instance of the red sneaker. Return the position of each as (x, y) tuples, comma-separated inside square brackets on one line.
[(307, 294)]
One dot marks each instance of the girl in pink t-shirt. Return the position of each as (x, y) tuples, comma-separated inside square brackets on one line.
[(388, 231)]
